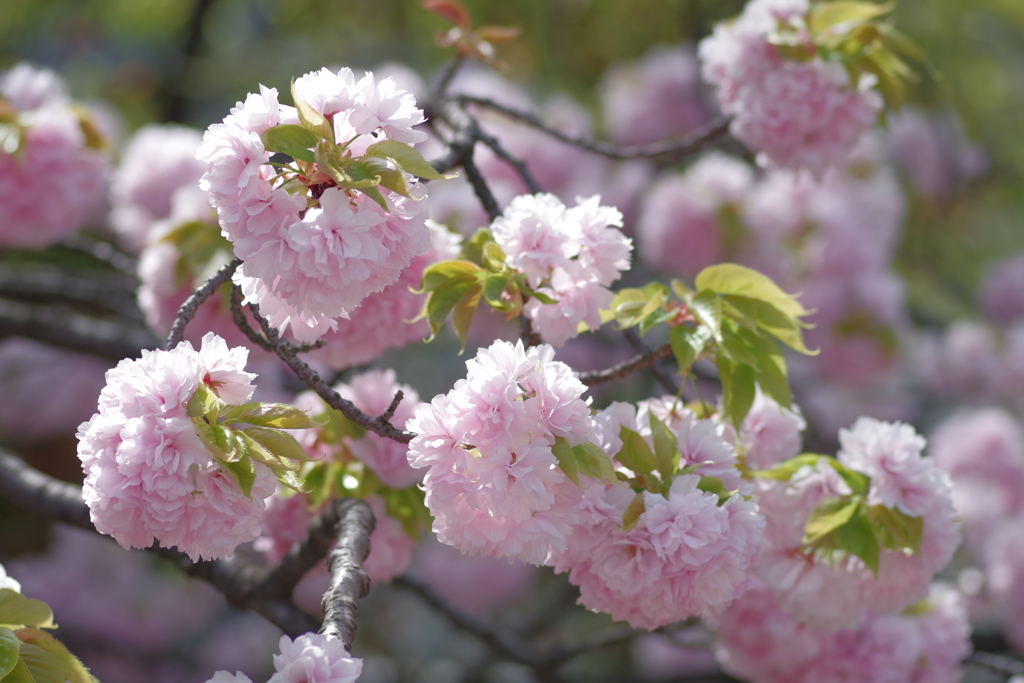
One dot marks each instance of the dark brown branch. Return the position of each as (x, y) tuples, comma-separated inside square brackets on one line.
[(389, 412), (174, 92), (192, 304), (40, 494), (104, 252), (467, 133), (660, 151), (518, 164), (526, 332), (312, 379), (44, 283), (238, 316), (59, 326), (349, 581), (1002, 664), (659, 373), (639, 362)]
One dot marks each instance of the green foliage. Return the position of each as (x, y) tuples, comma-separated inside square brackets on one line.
[(48, 660), (586, 459), (735, 317), (10, 649), (16, 611), (201, 249)]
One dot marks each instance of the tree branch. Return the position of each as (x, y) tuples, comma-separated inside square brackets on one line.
[(312, 379), (192, 304), (64, 328), (44, 283), (626, 368), (659, 374), (349, 581), (660, 151)]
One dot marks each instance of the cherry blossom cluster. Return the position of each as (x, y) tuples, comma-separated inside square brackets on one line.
[(148, 474), (310, 658), (689, 552), (760, 642), (493, 484), (312, 250), (571, 255), (53, 159), (832, 590), (792, 112)]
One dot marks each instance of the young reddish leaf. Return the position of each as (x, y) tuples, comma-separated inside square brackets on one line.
[(452, 11)]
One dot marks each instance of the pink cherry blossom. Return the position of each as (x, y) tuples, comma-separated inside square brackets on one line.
[(493, 483), (312, 658), (148, 474), (51, 175), (792, 113)]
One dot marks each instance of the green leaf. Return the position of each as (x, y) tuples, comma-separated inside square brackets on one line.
[(593, 462), (635, 453), (688, 344), (473, 248), (681, 290), (464, 311), (707, 308), (896, 530), (17, 610), (445, 298), (390, 174), (566, 459), (858, 482), (43, 667), (289, 479), (336, 426), (68, 667), (769, 318), (281, 444), (273, 415), (735, 348), (738, 389), (494, 257), (716, 486), (785, 470), (10, 648), (494, 288), (361, 174), (222, 441), (20, 674), (827, 15), (770, 370), (295, 141), (731, 278), (408, 158), (204, 402), (633, 511), (829, 515), (665, 447), (437, 274), (858, 538), (242, 470), (311, 119)]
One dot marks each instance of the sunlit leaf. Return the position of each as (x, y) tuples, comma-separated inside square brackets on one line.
[(829, 515), (311, 119), (408, 158), (636, 454), (464, 311)]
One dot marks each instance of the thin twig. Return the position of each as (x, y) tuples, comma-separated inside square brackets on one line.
[(659, 374), (349, 581), (389, 412), (518, 164), (639, 362), (238, 316), (286, 352), (192, 304), (666, 151)]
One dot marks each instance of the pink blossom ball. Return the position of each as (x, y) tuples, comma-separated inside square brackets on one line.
[(53, 175), (147, 473), (792, 113)]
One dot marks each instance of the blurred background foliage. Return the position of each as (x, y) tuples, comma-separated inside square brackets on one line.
[(189, 61)]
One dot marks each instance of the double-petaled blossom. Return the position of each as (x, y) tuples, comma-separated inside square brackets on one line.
[(310, 658), (53, 165), (493, 484), (570, 254), (832, 591), (148, 474), (314, 255), (791, 112)]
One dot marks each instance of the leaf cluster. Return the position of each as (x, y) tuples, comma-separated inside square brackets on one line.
[(28, 654), (480, 273), (848, 524), (240, 436), (734, 316)]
